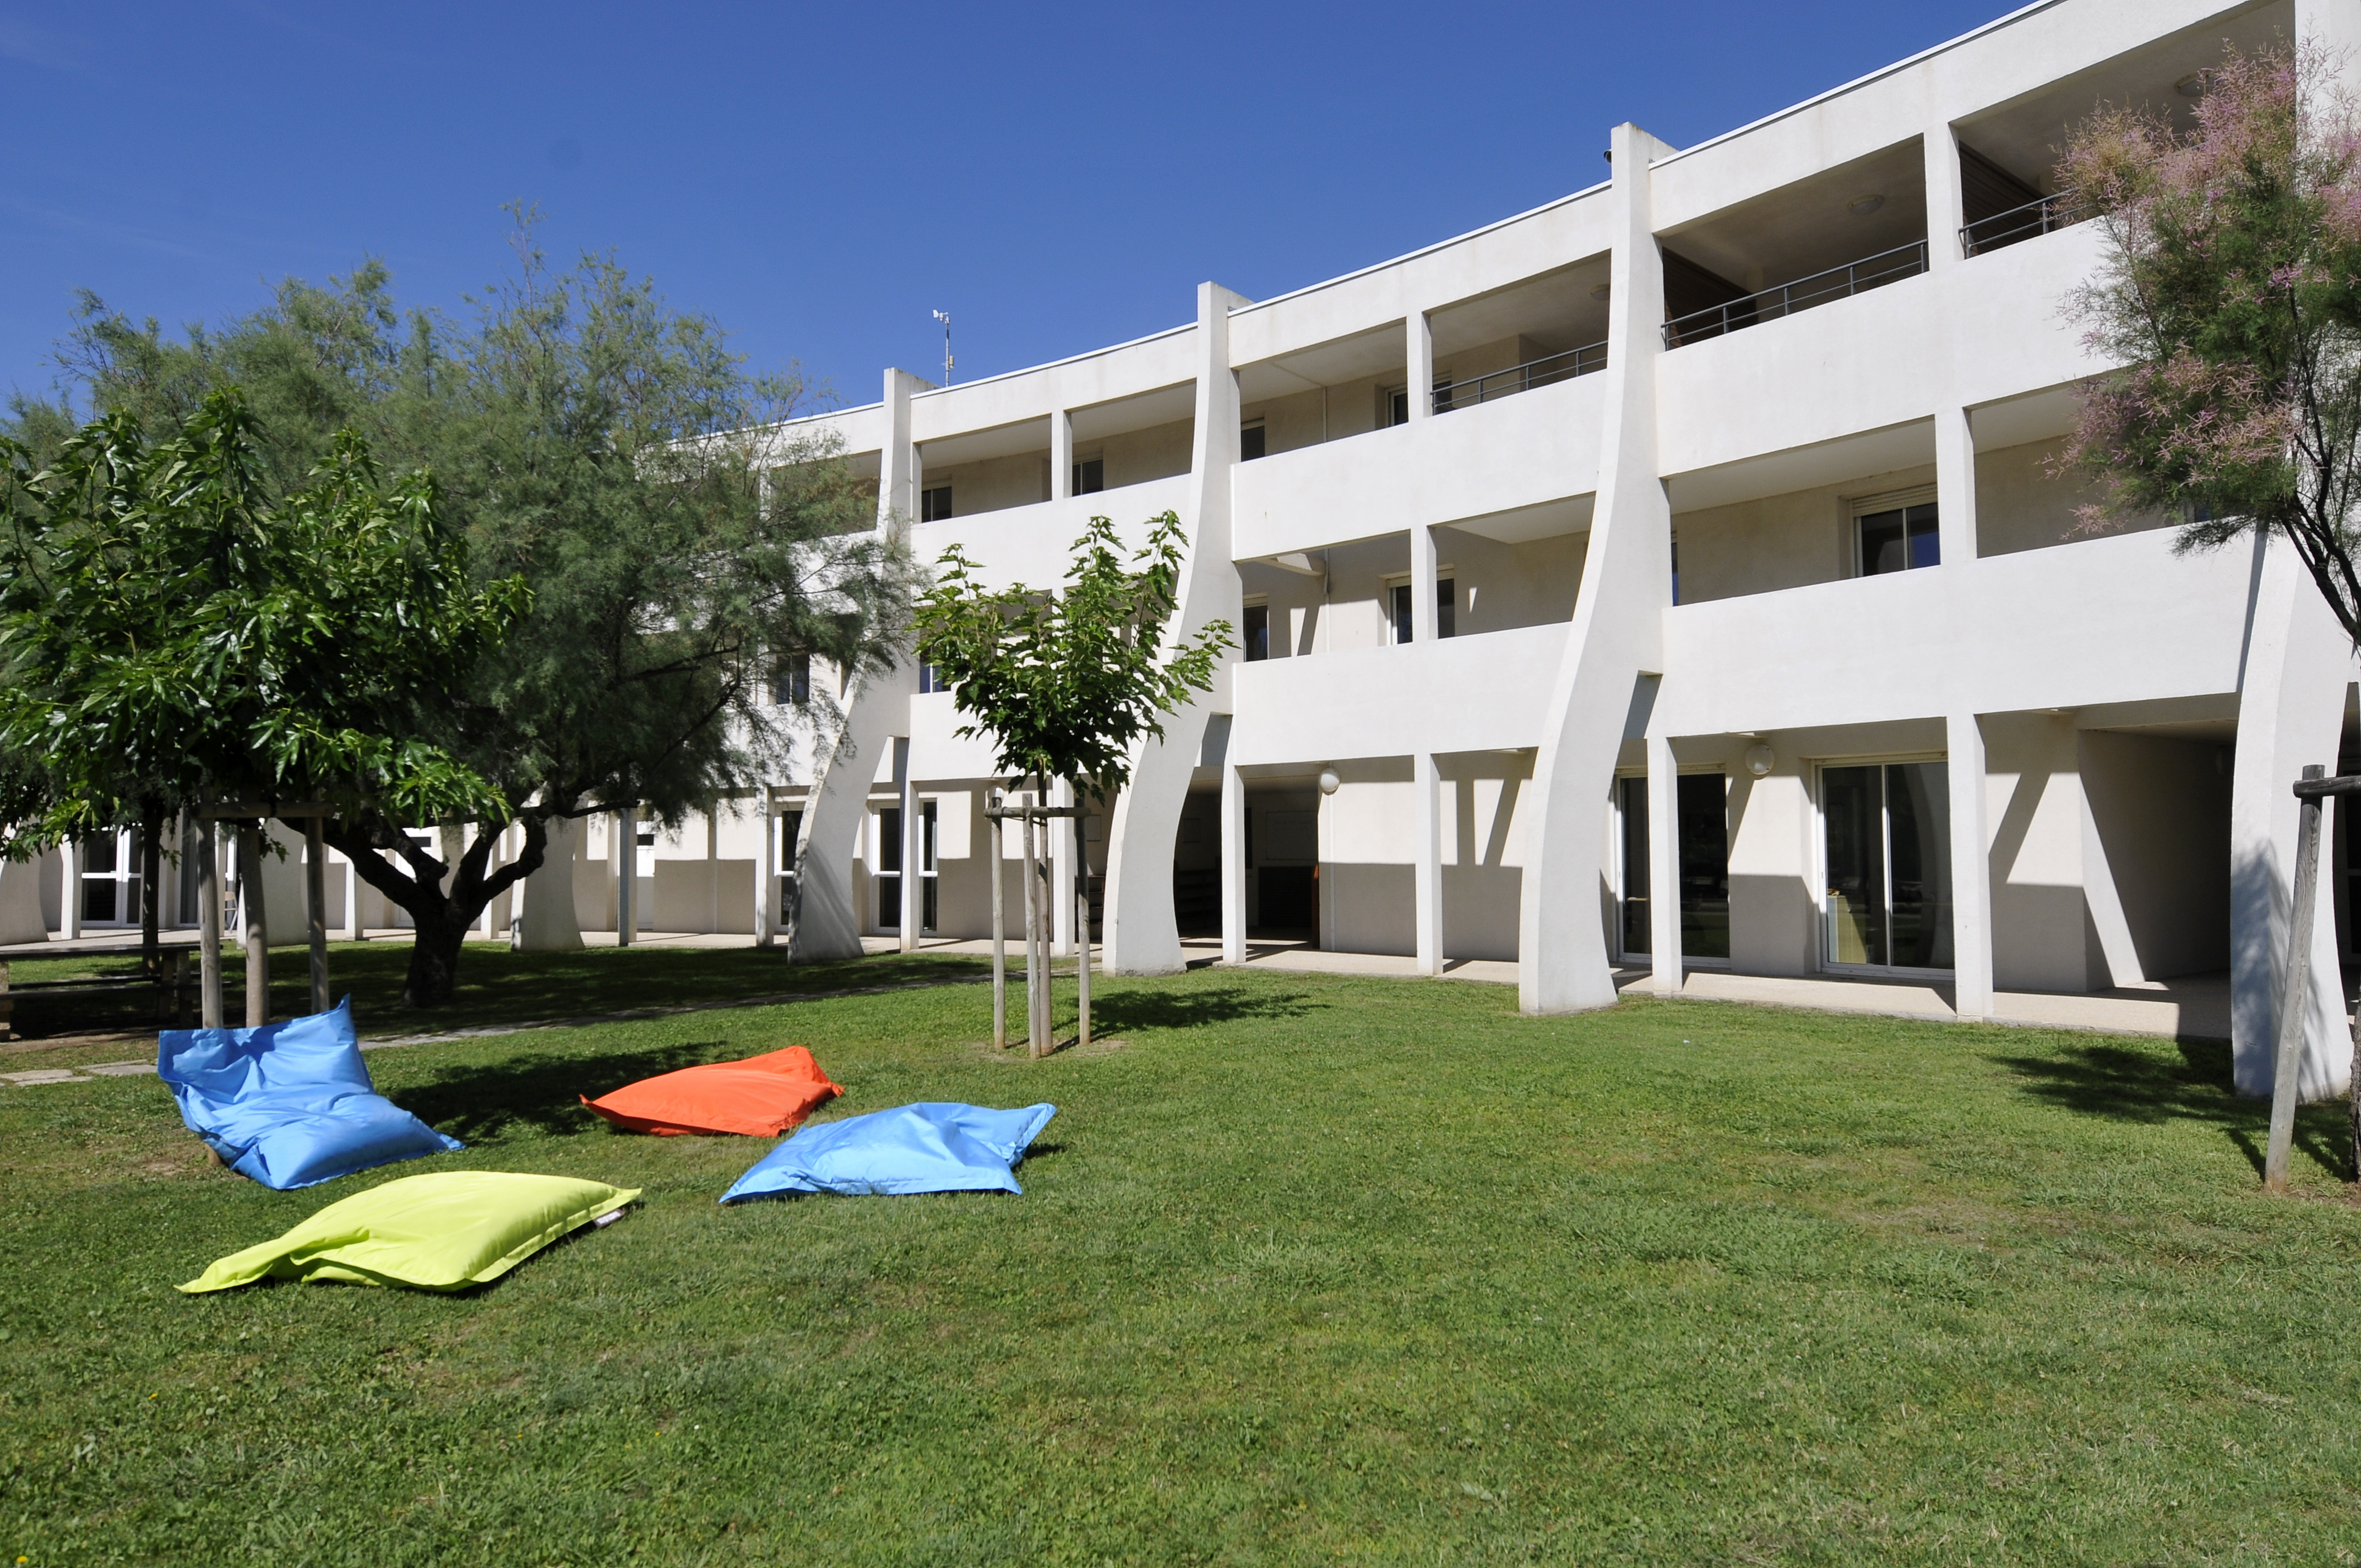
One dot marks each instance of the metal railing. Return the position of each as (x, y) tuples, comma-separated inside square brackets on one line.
[(2063, 210), (1770, 305), (1542, 372)]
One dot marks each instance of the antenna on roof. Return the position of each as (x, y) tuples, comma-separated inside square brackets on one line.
[(945, 317)]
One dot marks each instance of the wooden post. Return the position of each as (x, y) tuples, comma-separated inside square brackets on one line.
[(258, 929), (1032, 947), (2295, 1005), (315, 895), (209, 933), (1081, 892), (992, 799)]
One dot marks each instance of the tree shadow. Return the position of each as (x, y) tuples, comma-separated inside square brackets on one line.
[(1198, 1009), (536, 1093), (2124, 1084)]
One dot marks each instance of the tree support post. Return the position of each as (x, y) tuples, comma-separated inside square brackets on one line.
[(1032, 945), (1082, 891), (2292, 1003), (992, 802), (315, 895), (252, 913), (209, 932)]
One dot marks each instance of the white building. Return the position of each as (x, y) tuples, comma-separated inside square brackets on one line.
[(1690, 534)]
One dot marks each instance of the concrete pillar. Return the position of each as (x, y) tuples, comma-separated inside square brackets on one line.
[(69, 890), (546, 921), (1946, 210), (1426, 818), (1664, 868), (627, 877), (877, 709), (20, 903), (906, 791), (766, 903), (1141, 935), (2291, 712), (1955, 485), (1422, 618), (1061, 454), (1420, 359), (1972, 915), (1233, 864), (1614, 647)]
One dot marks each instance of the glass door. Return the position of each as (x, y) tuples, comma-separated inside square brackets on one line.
[(1886, 849), (109, 873), (888, 879), (1703, 842)]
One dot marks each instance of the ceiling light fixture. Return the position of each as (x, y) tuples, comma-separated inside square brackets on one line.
[(2192, 85), (1602, 291), (1861, 206)]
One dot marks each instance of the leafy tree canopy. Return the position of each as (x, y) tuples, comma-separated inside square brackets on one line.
[(2232, 292), (1066, 683)]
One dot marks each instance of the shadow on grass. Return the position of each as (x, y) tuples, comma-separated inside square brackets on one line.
[(2124, 1084), (540, 1094), (1193, 1008)]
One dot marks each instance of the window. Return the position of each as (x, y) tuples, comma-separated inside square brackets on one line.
[(1447, 605), (1897, 538), (1677, 571), (1090, 476), (1258, 634), (791, 688), (935, 505), (930, 679), (1251, 441), (1396, 406), (1886, 852), (887, 873)]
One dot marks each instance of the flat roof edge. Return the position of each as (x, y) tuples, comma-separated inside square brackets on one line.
[(1859, 81), (1053, 364)]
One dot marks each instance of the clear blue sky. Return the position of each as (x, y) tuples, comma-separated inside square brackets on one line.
[(819, 178)]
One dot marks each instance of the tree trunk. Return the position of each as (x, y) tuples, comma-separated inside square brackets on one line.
[(435, 957), (151, 857), (441, 919)]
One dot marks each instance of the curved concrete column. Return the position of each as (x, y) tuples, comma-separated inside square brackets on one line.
[(1140, 936), (2291, 712), (1617, 636), (823, 924), (546, 921)]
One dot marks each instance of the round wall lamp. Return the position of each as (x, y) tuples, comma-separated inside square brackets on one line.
[(1758, 759), (1861, 206), (2191, 86), (1602, 291), (1328, 780)]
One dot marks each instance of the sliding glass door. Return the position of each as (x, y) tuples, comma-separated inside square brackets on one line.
[(1703, 825), (1886, 849)]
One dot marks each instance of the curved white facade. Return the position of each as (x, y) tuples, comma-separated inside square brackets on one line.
[(2027, 760)]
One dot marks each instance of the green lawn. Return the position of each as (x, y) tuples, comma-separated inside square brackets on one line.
[(1308, 1270)]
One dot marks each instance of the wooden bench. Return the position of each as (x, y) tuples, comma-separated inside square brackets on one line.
[(170, 989)]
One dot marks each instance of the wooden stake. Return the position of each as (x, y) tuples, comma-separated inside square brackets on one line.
[(1082, 920), (999, 931), (258, 929), (1032, 948)]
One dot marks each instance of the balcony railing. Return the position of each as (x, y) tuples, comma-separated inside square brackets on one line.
[(1522, 378), (1819, 288), (2063, 210)]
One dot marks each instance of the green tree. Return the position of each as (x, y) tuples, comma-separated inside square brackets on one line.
[(2231, 296), (679, 544), (1068, 683), (170, 636)]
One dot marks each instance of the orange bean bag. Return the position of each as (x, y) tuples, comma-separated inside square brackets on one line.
[(760, 1097)]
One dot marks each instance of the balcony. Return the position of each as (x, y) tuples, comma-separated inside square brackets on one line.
[(1033, 543), (1802, 294), (1544, 372), (2043, 214), (1483, 693)]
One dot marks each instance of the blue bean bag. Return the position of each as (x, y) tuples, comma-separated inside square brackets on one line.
[(289, 1104), (935, 1147)]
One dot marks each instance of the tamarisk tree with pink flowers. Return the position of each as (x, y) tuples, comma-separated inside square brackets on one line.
[(2232, 296)]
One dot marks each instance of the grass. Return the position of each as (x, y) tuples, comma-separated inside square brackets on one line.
[(494, 986), (1310, 1269)]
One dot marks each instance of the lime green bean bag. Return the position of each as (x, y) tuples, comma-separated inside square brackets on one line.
[(445, 1231)]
